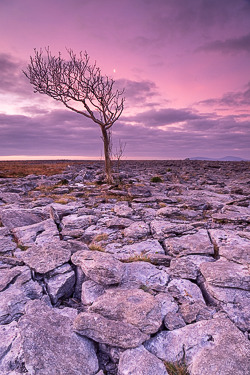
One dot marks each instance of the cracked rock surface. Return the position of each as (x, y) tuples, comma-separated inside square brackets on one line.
[(121, 279)]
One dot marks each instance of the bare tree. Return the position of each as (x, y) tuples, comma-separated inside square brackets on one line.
[(119, 152), (80, 87)]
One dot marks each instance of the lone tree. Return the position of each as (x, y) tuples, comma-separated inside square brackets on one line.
[(80, 87)]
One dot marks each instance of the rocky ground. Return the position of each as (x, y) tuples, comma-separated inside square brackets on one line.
[(128, 278)]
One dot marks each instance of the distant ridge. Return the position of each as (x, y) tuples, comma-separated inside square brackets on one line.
[(225, 158)]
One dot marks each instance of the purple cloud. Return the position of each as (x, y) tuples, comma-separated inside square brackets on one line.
[(230, 99), (231, 46)]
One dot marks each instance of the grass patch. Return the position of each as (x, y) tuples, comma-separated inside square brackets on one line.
[(23, 248), (156, 179), (136, 258), (95, 247), (162, 204), (100, 237), (176, 368)]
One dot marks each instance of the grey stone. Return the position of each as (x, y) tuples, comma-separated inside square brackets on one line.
[(49, 345), (139, 249), (96, 234), (230, 245), (8, 334), (228, 283), (74, 246), (162, 229), (233, 214), (123, 210), (68, 312), (143, 274), (167, 303), (9, 197), (7, 245), (133, 306), (43, 232), (7, 275), (61, 284), (44, 258), (137, 230), (173, 320), (17, 288), (184, 291), (195, 311), (213, 346), (100, 267), (119, 223), (74, 225), (198, 243), (139, 191), (80, 277), (188, 267), (12, 303), (176, 212), (140, 361), (91, 291), (226, 274), (114, 352), (18, 218), (108, 331)]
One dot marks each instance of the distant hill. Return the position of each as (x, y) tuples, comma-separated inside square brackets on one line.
[(225, 158)]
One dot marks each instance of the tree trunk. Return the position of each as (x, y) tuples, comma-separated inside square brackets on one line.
[(106, 142)]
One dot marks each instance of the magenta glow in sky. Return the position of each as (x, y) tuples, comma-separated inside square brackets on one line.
[(185, 66)]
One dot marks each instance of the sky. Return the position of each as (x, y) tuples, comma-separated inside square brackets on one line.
[(184, 65)]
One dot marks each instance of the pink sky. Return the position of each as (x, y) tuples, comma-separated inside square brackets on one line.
[(184, 65)]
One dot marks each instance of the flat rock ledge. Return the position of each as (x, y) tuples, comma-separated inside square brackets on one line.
[(128, 278)]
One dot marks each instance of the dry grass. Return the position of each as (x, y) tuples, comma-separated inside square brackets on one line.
[(17, 169), (100, 237), (176, 368), (95, 247), (136, 258)]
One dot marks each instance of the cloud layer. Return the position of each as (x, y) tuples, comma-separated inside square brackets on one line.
[(184, 66)]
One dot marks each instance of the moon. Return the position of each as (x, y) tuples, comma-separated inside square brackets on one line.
[(114, 71)]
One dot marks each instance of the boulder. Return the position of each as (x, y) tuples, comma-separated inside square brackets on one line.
[(108, 331), (45, 344), (229, 284), (137, 230), (198, 243), (234, 214), (123, 210), (226, 274), (167, 303), (100, 267), (18, 218), (60, 282), (133, 306), (46, 257), (119, 223), (140, 361), (230, 245), (213, 346), (17, 288), (144, 275), (74, 225), (188, 267), (162, 229), (173, 321), (7, 245), (195, 311), (12, 303), (91, 291), (40, 233), (184, 291), (139, 249)]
